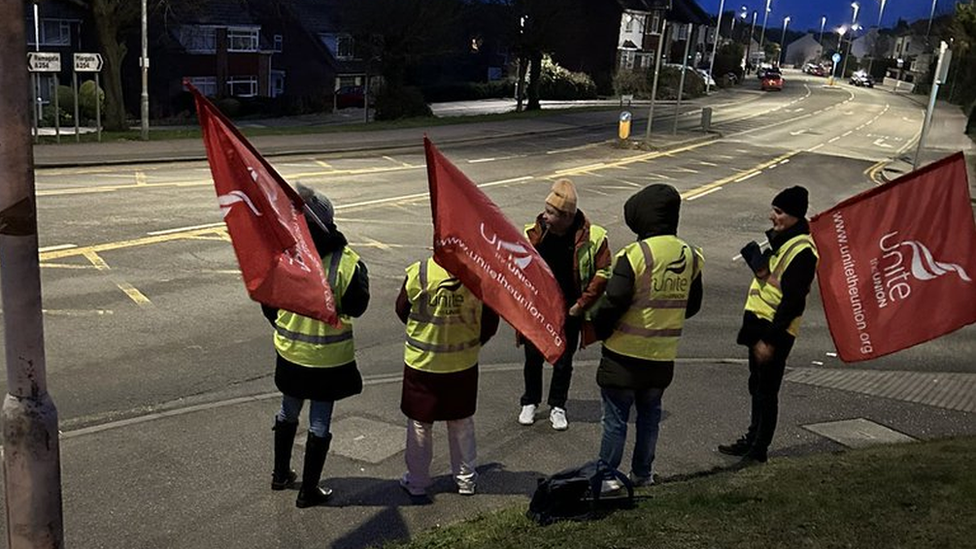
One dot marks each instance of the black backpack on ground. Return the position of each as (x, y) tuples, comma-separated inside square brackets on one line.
[(575, 494)]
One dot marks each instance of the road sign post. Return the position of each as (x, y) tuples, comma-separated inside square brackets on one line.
[(38, 61), (833, 71), (87, 62), (31, 442), (941, 72)]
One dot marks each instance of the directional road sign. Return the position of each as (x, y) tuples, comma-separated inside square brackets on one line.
[(836, 58), (88, 62), (43, 62)]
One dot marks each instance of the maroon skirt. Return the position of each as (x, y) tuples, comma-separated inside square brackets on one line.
[(431, 397)]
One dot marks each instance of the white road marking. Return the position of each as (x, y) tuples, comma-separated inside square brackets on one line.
[(833, 139), (811, 149), (748, 176), (58, 247), (480, 160), (181, 229)]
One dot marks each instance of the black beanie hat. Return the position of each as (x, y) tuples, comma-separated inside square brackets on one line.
[(792, 201)]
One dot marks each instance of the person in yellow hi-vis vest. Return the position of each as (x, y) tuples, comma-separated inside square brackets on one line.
[(446, 326), (316, 361), (771, 321), (578, 255), (655, 285)]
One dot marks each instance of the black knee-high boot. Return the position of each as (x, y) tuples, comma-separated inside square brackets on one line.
[(284, 439), (310, 493)]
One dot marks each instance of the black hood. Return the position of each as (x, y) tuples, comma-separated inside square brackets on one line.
[(653, 211)]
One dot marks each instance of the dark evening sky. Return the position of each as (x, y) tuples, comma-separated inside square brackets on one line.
[(806, 14)]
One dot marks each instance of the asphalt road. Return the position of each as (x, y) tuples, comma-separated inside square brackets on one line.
[(144, 307)]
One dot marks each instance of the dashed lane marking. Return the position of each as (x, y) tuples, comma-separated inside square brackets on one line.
[(708, 192)]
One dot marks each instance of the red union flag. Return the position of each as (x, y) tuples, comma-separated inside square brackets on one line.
[(476, 243), (897, 262), (263, 216)]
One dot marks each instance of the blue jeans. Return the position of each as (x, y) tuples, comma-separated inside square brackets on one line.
[(616, 413), (319, 414)]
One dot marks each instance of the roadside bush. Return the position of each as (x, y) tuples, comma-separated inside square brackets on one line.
[(634, 83), (230, 106), (88, 94), (465, 91), (401, 102), (559, 83), (640, 83)]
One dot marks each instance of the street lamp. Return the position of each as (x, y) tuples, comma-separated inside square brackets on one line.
[(711, 62), (823, 21), (752, 31), (850, 44), (144, 64), (881, 12), (840, 46), (762, 35), (786, 21), (857, 8), (931, 15)]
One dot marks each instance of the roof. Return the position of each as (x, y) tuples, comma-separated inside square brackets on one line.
[(316, 16), (223, 13)]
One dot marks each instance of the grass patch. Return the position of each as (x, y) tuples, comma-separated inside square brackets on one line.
[(907, 496), (193, 132)]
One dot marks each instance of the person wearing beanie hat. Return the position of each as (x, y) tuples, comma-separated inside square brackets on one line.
[(316, 361), (656, 284), (579, 256), (774, 306)]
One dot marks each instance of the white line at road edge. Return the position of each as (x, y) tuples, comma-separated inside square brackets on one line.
[(56, 248), (181, 229), (381, 379), (708, 192)]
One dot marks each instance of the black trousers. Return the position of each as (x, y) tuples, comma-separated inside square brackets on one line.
[(562, 370), (764, 383)]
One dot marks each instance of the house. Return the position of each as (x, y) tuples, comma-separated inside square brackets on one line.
[(805, 50), (643, 21)]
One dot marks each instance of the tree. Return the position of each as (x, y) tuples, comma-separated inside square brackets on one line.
[(114, 20), (963, 78)]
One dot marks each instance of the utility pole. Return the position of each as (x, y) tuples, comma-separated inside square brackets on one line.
[(31, 444), (718, 36), (144, 63), (762, 35)]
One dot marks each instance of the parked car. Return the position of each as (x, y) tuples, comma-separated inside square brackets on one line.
[(349, 96), (763, 69), (815, 69), (709, 81), (772, 80), (861, 78)]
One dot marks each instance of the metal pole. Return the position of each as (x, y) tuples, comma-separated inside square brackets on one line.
[(823, 22), (931, 15), (98, 108), (36, 80), (144, 63), (57, 109), (31, 444), (657, 72), (718, 35), (762, 35), (749, 43), (786, 21), (945, 55), (74, 88), (681, 81)]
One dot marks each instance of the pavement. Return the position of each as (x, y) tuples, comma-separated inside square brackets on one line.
[(195, 473)]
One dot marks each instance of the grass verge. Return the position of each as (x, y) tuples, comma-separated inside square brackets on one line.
[(917, 495)]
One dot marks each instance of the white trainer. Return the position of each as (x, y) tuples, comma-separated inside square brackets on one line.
[(557, 416), (527, 416)]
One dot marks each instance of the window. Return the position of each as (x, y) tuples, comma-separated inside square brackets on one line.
[(198, 39), (342, 46), (277, 83), (655, 24), (239, 39), (683, 32), (206, 84), (53, 32), (242, 86), (279, 42), (629, 26)]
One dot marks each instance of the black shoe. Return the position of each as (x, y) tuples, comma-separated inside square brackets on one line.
[(285, 482), (313, 496), (738, 448)]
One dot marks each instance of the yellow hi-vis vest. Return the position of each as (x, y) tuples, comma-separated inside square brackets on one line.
[(313, 343), (444, 326), (586, 255), (765, 296), (664, 268)]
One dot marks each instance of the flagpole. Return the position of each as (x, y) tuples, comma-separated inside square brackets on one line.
[(31, 449)]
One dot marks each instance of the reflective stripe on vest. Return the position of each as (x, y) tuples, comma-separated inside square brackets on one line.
[(312, 343), (664, 268), (765, 296), (444, 325)]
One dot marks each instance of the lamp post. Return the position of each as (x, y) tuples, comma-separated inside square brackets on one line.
[(931, 15), (786, 21), (144, 64), (711, 62), (762, 35), (840, 46), (850, 45), (752, 31), (823, 22), (871, 59)]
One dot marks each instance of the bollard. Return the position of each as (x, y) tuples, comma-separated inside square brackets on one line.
[(706, 121), (623, 131)]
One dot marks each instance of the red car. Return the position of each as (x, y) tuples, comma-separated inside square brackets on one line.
[(772, 81)]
